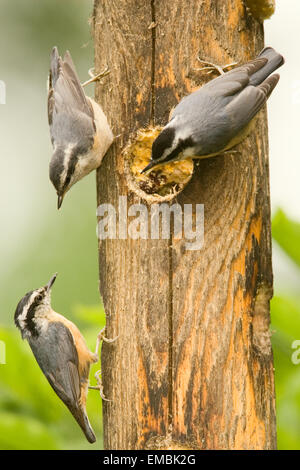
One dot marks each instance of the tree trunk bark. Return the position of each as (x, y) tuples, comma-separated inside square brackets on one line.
[(193, 366)]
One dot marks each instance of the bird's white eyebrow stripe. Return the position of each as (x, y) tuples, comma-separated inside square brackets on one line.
[(67, 157), (68, 153), (22, 318)]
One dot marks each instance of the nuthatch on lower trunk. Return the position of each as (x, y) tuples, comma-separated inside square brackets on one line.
[(220, 114), (80, 133), (60, 351)]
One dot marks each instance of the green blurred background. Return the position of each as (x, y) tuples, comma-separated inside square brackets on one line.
[(36, 240)]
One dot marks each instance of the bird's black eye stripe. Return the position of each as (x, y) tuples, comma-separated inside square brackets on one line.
[(68, 179), (30, 324), (56, 167), (182, 144), (21, 305), (71, 169)]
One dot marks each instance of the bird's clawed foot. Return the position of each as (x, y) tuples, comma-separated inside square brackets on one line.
[(101, 337), (99, 386), (210, 66), (97, 77)]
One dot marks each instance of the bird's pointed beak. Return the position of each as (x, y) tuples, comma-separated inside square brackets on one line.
[(149, 166), (60, 200), (51, 282)]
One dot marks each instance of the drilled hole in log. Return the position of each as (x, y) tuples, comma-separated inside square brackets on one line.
[(163, 183)]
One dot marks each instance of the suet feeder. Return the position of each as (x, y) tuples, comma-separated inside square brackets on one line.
[(163, 182)]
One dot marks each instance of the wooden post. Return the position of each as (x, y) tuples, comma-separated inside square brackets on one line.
[(193, 365)]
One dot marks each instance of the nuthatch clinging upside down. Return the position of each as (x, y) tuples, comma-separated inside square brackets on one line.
[(79, 130), (219, 115), (60, 351)]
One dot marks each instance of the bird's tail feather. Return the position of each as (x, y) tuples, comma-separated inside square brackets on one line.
[(54, 66), (268, 85), (275, 60), (83, 421)]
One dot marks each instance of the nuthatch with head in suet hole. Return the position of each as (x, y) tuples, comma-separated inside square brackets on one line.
[(219, 115), (80, 133), (60, 351)]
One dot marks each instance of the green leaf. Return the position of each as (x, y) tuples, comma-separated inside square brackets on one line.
[(17, 433), (285, 315), (285, 323), (286, 232)]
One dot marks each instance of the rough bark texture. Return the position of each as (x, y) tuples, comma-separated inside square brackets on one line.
[(193, 365)]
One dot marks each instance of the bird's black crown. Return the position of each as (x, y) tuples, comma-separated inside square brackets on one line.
[(162, 142)]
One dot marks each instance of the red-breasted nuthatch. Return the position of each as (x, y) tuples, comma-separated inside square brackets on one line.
[(220, 114), (79, 130), (60, 351)]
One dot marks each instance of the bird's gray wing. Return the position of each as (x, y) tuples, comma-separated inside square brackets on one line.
[(57, 356), (217, 93), (253, 73), (68, 107), (235, 80), (242, 109)]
